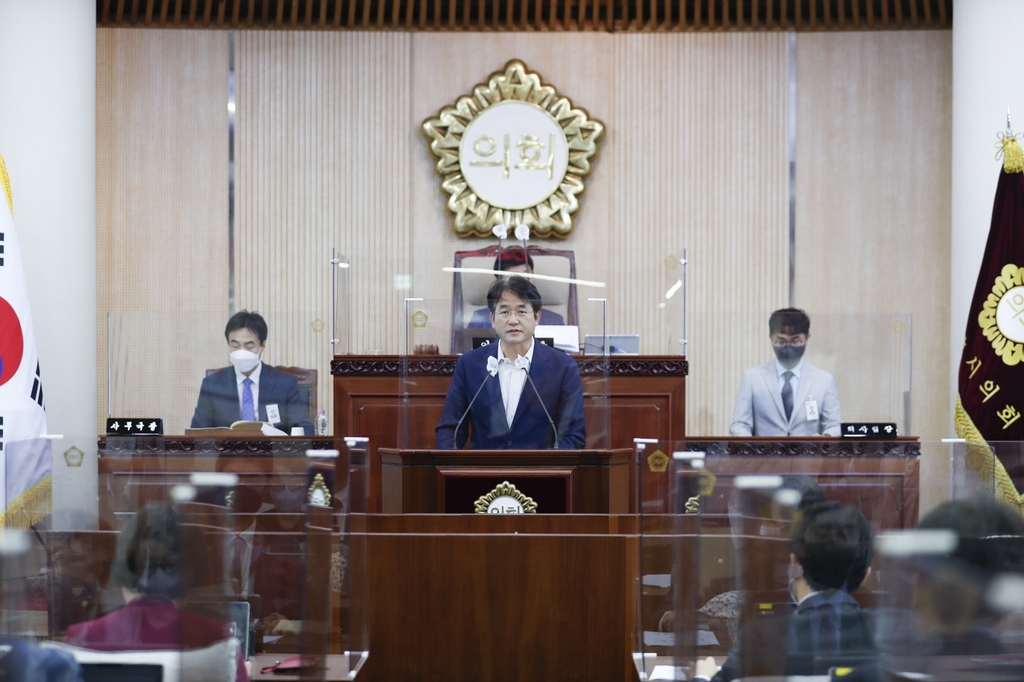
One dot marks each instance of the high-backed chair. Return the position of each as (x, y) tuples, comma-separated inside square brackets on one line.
[(306, 378), (469, 290)]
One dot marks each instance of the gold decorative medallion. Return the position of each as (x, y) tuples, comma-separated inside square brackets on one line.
[(74, 457), (505, 499), (515, 152), (1002, 315), (707, 482), (318, 493), (670, 262), (419, 319), (899, 326), (317, 325), (657, 462)]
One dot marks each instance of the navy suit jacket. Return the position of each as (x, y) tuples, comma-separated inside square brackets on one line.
[(558, 382), (218, 400), (853, 629)]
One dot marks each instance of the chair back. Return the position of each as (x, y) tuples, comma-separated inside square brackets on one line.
[(469, 290)]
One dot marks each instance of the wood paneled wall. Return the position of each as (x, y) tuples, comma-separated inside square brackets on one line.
[(161, 218), (329, 153)]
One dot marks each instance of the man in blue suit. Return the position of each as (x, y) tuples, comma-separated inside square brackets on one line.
[(510, 388), (250, 390)]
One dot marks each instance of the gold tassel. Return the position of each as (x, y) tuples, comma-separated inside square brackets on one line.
[(1013, 156), (6, 182), (980, 459), (30, 507)]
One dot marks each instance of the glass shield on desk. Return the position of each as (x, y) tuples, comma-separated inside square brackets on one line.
[(866, 356), (193, 382), (669, 632), (953, 586)]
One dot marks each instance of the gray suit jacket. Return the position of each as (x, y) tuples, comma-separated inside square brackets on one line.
[(759, 412)]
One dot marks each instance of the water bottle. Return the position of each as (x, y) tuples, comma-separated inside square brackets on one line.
[(321, 423)]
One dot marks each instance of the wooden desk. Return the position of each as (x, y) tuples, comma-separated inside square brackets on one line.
[(397, 404), (559, 481), (519, 598), (337, 668)]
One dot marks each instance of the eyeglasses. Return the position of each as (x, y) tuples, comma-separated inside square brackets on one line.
[(519, 314), (796, 342)]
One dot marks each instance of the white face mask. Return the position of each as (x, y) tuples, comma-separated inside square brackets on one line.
[(244, 361)]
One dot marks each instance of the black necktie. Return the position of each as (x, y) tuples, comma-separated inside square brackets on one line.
[(787, 394)]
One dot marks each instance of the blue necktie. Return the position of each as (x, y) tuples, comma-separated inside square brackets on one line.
[(787, 394), (248, 408)]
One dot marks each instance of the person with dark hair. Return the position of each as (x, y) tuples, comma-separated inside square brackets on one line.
[(517, 393), (831, 551), (148, 564), (512, 259), (954, 615), (250, 390), (787, 396)]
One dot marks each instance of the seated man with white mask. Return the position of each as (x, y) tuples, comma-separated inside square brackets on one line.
[(249, 390)]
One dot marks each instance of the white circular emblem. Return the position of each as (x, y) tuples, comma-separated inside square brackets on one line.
[(505, 504), (1010, 314), (514, 155)]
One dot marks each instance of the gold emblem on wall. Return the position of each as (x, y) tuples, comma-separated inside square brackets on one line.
[(657, 462), (419, 319), (515, 152), (1002, 315), (74, 457), (505, 499)]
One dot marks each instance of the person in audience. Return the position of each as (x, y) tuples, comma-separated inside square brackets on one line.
[(954, 615), (512, 259), (787, 396), (510, 392), (250, 390), (25, 661), (831, 553), (148, 564)]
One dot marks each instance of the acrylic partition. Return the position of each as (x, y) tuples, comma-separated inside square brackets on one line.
[(868, 355), (146, 381), (717, 529), (215, 555), (426, 327)]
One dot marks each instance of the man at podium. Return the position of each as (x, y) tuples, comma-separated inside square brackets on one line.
[(516, 394)]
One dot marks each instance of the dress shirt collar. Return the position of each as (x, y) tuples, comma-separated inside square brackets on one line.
[(255, 376), (528, 356), (780, 370)]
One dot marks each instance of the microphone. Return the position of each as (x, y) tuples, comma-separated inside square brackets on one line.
[(492, 369), (541, 401)]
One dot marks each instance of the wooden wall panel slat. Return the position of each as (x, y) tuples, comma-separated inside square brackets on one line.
[(161, 218)]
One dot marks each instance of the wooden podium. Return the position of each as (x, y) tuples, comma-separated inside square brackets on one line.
[(559, 481)]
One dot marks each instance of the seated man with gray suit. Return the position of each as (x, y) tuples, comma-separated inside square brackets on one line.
[(787, 396)]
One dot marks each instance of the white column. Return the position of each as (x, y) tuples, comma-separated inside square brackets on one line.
[(988, 76), (48, 139)]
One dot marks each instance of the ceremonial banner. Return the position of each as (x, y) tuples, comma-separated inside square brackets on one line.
[(25, 474)]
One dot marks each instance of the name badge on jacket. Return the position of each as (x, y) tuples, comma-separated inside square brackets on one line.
[(812, 410), (274, 414)]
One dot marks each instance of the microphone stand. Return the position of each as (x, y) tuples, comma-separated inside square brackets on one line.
[(543, 406)]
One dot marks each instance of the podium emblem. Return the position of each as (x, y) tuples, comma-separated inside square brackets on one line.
[(658, 462), (515, 152), (318, 493), (505, 499)]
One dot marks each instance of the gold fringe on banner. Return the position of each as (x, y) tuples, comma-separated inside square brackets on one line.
[(983, 461), (6, 182), (31, 506), (1013, 156)]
